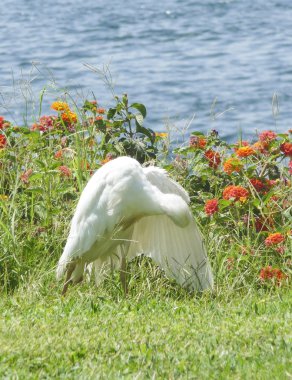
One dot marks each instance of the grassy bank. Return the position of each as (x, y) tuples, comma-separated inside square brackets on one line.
[(157, 333), (241, 198)]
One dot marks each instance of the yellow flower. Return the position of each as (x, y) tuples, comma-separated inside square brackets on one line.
[(164, 135), (69, 117), (60, 106), (3, 197)]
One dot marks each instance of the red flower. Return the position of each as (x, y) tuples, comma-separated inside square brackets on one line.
[(211, 206), (267, 136), (257, 184), (65, 171), (58, 154), (286, 148), (274, 239), (269, 273), (235, 193), (198, 142), (213, 158), (3, 141)]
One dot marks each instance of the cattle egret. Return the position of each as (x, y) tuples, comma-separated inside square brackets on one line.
[(126, 210)]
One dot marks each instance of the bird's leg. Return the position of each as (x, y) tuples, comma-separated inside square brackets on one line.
[(68, 280), (123, 272)]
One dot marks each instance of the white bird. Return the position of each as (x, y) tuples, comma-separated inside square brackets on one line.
[(126, 210)]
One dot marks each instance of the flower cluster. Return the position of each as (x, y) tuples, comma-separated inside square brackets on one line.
[(274, 239), (211, 206), (232, 165), (243, 188), (213, 158), (235, 193), (68, 117), (270, 273), (245, 151), (198, 142)]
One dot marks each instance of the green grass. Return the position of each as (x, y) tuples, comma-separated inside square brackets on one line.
[(158, 331)]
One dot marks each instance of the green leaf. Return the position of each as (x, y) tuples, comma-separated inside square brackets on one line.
[(197, 134), (139, 119), (140, 107), (111, 113), (146, 132), (223, 203)]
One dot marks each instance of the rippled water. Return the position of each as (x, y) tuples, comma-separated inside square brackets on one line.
[(179, 58)]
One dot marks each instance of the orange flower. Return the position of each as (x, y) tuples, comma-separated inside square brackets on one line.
[(211, 206), (213, 158), (60, 106), (245, 151), (108, 158), (274, 239), (261, 147), (232, 164), (65, 171), (3, 141), (235, 193), (101, 110), (99, 118), (198, 142), (286, 148), (267, 136), (58, 154), (69, 117)]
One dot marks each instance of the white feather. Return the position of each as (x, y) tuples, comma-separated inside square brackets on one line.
[(124, 206), (180, 252)]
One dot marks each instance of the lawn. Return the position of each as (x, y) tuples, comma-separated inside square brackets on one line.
[(158, 331)]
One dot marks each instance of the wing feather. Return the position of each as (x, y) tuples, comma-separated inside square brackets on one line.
[(179, 251)]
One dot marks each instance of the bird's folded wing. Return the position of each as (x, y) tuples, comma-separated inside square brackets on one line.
[(159, 178), (178, 251)]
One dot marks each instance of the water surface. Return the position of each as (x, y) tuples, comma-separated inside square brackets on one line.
[(219, 61)]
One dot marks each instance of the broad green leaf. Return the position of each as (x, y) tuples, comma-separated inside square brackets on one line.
[(140, 107), (139, 119), (111, 113)]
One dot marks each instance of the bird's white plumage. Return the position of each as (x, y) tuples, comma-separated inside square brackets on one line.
[(125, 207)]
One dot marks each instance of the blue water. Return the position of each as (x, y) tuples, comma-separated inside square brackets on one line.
[(216, 62)]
